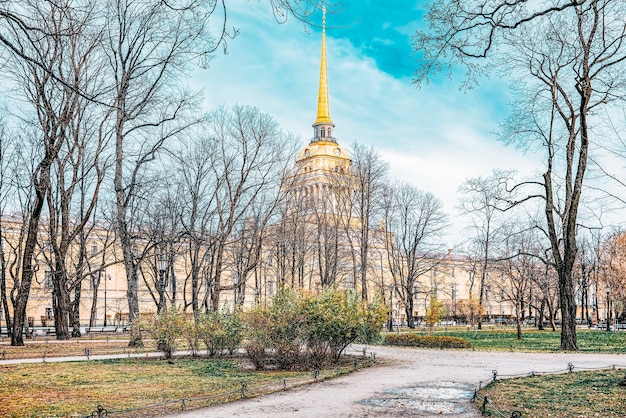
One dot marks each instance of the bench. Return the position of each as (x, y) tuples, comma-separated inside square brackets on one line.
[(100, 330)]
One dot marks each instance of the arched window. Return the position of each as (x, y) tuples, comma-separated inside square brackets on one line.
[(323, 132)]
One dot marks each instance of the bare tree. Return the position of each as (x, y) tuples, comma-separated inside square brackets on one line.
[(415, 221), (57, 107), (615, 265), (292, 241), (70, 201), (370, 175), (519, 264), (5, 193), (148, 46), (485, 199), (195, 187), (251, 154)]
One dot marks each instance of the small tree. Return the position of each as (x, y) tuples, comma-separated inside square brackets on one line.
[(471, 310), (435, 312)]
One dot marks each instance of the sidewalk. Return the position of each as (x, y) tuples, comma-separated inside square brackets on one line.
[(85, 358)]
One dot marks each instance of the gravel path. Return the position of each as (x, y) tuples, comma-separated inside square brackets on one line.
[(406, 382)]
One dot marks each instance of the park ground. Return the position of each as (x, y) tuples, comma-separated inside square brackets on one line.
[(405, 382)]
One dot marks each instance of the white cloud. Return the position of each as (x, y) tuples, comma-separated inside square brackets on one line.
[(434, 137)]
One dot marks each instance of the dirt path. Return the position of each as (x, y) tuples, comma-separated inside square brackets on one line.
[(407, 382)]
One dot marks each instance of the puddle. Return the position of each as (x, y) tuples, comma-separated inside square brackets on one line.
[(441, 398)]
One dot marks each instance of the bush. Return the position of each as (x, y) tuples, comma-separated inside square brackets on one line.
[(165, 327), (192, 336), (220, 331), (426, 341), (335, 319), (258, 330), (275, 331), (301, 330)]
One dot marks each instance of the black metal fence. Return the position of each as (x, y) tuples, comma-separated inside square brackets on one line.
[(246, 391)]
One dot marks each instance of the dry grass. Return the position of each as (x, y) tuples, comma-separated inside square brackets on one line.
[(77, 388), (72, 389), (578, 394)]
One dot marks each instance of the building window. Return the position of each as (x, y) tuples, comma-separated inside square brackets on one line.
[(47, 280), (93, 249), (453, 272), (49, 312), (323, 132)]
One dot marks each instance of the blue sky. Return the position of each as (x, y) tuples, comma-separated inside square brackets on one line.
[(434, 137)]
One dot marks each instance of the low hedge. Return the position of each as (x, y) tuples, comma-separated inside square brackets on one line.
[(426, 341)]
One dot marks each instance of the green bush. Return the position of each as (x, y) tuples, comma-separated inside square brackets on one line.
[(426, 341), (302, 330), (220, 331), (335, 319), (275, 332), (165, 327), (192, 336)]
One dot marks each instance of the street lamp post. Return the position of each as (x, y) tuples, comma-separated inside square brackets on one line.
[(608, 308), (162, 266), (390, 327), (105, 299), (501, 310), (454, 300)]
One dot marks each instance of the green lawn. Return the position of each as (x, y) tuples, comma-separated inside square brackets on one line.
[(578, 394), (539, 341)]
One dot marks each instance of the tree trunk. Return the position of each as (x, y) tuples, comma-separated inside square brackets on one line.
[(3, 293), (409, 311), (61, 306), (540, 314), (75, 316), (518, 320), (19, 308), (94, 299), (568, 311)]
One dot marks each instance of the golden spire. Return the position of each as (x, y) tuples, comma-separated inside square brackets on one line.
[(323, 109)]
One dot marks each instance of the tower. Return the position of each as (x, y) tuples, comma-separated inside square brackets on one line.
[(323, 154), (323, 125)]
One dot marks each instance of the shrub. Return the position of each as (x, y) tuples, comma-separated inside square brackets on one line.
[(301, 330), (426, 341), (335, 319), (435, 312), (258, 331), (278, 329), (220, 331), (165, 327), (192, 336)]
